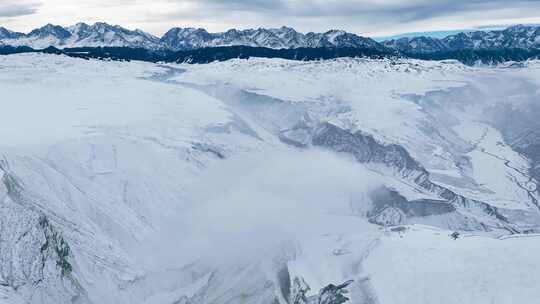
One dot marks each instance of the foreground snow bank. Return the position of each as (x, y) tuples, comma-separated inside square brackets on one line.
[(425, 265)]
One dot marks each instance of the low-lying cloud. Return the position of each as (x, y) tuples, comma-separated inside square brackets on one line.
[(246, 206)]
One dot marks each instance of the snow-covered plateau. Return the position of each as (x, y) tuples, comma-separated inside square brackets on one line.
[(268, 181)]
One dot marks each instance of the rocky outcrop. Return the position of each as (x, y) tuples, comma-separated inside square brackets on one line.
[(330, 294), (395, 160), (333, 294), (299, 290), (35, 259), (389, 208), (366, 149)]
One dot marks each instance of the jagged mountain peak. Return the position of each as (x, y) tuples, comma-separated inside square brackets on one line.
[(519, 28), (286, 28), (79, 26), (50, 26), (102, 27), (183, 31), (335, 32), (49, 29), (5, 33), (82, 35), (277, 38)]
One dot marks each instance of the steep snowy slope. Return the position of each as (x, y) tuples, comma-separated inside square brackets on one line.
[(257, 181)]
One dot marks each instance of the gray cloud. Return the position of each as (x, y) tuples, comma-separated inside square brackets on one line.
[(247, 5), (353, 13), (365, 17), (9, 8), (394, 9)]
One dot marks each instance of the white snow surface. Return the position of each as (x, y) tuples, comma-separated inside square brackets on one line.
[(433, 268), (170, 183)]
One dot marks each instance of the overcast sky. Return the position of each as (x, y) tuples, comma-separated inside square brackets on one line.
[(365, 17)]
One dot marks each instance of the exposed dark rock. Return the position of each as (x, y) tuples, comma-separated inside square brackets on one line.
[(333, 294), (383, 197), (299, 290), (330, 294), (366, 149)]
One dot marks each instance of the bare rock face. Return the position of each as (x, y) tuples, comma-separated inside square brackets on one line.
[(397, 161), (35, 260), (299, 289), (331, 294)]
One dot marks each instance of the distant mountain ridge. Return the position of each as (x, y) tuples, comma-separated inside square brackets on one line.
[(80, 35), (514, 37), (274, 38), (177, 39), (102, 40)]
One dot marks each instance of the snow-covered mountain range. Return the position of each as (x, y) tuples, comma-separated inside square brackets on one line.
[(105, 35), (102, 34), (268, 181), (284, 37), (515, 37), (80, 35)]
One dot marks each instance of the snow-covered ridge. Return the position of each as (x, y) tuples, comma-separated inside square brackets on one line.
[(514, 37), (80, 35), (276, 38), (103, 34)]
